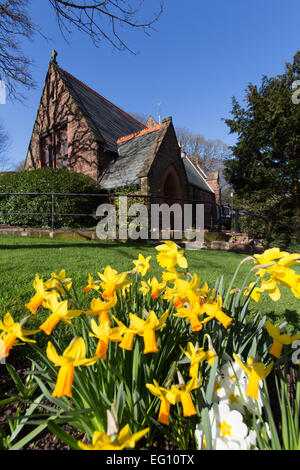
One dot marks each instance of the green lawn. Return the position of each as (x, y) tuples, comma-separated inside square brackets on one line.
[(22, 258)]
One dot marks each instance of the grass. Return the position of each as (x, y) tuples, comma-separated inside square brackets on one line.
[(21, 258)]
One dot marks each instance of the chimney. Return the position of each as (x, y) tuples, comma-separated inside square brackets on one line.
[(214, 182), (151, 122)]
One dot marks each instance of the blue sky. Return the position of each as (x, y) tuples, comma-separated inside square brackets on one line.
[(201, 53)]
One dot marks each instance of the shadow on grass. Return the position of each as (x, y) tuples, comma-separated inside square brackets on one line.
[(94, 244), (291, 316)]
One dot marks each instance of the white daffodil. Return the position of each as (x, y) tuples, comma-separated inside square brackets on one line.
[(228, 429)]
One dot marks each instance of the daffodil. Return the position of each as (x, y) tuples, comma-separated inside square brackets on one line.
[(179, 293), (169, 256), (281, 274), (255, 291), (11, 331), (91, 285), (192, 311), (73, 356), (105, 334), (60, 312), (128, 335), (111, 281), (269, 256), (42, 293), (182, 393), (171, 276), (154, 285), (59, 282), (279, 339), (213, 309), (146, 329), (142, 265), (196, 355), (231, 386), (164, 409), (100, 308), (101, 441), (256, 372)]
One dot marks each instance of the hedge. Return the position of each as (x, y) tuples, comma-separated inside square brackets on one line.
[(48, 180)]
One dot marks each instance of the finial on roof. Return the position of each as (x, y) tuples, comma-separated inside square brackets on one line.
[(54, 55)]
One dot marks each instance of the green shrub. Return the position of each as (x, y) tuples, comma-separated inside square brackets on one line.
[(274, 208), (47, 180)]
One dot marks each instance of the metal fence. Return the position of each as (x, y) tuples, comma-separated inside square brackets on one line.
[(214, 209), (220, 215)]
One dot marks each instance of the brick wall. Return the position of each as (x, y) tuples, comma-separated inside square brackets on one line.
[(57, 108), (167, 155)]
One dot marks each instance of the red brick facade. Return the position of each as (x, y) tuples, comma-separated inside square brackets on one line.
[(59, 110)]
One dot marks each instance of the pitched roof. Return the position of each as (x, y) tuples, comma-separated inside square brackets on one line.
[(194, 176), (133, 151), (108, 121)]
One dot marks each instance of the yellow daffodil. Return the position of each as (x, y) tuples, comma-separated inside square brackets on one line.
[(171, 275), (59, 282), (214, 310), (280, 275), (128, 335), (210, 353), (269, 256), (279, 339), (100, 308), (169, 256), (196, 355), (73, 356), (192, 311), (123, 440), (154, 285), (60, 312), (182, 393), (111, 281), (105, 334), (91, 285), (11, 331), (179, 293), (42, 293), (256, 372), (142, 265), (255, 294), (146, 329), (164, 409)]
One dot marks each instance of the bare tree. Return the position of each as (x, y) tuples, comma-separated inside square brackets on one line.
[(104, 19), (209, 154), (15, 25), (99, 20)]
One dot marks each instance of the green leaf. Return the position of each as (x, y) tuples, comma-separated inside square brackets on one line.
[(211, 382), (23, 442), (205, 421), (62, 435), (14, 375)]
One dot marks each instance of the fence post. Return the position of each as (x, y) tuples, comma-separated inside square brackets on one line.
[(52, 212), (237, 221), (219, 215)]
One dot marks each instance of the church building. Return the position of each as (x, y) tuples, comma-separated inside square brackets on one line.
[(78, 129)]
